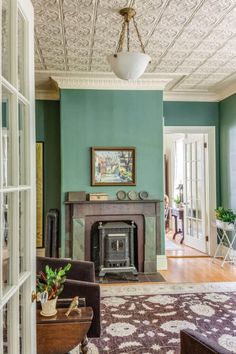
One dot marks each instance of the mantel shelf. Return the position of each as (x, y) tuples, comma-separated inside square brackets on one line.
[(112, 201)]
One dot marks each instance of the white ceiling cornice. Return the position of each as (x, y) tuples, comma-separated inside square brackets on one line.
[(187, 96), (227, 91), (108, 81), (47, 95)]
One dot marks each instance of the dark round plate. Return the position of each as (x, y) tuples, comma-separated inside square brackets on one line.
[(143, 195), (121, 195), (133, 195)]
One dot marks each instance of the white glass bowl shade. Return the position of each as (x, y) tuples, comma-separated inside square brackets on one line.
[(128, 65)]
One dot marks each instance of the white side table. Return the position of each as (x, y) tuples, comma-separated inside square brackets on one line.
[(223, 236)]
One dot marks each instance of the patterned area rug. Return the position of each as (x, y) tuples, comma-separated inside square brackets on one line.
[(138, 323)]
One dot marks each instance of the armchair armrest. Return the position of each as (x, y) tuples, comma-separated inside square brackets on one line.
[(80, 270), (195, 343)]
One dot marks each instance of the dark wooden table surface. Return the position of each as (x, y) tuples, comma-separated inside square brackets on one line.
[(60, 334)]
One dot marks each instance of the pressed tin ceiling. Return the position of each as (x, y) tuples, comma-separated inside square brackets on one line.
[(195, 39)]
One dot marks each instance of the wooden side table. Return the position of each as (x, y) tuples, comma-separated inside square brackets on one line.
[(60, 334), (178, 214)]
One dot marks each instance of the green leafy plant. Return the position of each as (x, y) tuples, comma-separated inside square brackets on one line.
[(52, 281), (177, 200), (225, 215)]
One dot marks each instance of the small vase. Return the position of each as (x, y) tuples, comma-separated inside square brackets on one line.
[(49, 308)]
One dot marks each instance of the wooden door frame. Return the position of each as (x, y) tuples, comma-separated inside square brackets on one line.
[(210, 132)]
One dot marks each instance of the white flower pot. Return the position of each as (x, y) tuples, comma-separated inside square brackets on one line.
[(225, 225), (49, 308)]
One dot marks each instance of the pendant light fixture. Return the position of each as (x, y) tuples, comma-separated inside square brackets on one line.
[(128, 65)]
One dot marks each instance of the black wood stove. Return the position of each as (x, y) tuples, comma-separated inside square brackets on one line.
[(116, 246)]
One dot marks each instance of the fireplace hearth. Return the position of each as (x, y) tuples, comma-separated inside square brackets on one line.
[(116, 248)]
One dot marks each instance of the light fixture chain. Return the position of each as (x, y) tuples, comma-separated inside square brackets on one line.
[(139, 37), (122, 37), (128, 36)]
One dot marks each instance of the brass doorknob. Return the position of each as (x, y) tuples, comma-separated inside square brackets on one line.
[(33, 296)]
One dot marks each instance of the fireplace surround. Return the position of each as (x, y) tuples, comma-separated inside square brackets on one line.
[(81, 216)]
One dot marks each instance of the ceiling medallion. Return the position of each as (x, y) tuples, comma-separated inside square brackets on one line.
[(125, 64)]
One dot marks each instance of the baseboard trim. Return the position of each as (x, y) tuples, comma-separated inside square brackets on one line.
[(162, 262)]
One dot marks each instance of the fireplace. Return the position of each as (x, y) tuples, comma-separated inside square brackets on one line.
[(116, 248), (82, 217)]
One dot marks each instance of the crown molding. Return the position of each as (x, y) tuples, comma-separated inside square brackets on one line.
[(47, 95), (226, 91), (108, 81), (190, 96)]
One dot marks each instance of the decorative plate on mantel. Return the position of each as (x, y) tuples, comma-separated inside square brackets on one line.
[(132, 195), (143, 195), (121, 195)]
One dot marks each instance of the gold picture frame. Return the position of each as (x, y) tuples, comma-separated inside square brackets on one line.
[(113, 166)]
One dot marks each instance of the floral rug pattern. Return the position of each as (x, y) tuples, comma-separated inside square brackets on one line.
[(146, 324)]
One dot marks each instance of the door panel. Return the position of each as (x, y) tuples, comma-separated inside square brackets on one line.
[(17, 179), (194, 192)]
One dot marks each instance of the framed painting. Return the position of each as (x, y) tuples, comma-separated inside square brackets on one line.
[(113, 166), (39, 194)]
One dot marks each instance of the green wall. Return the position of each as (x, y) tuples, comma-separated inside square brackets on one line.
[(228, 152), (111, 118), (48, 131), (191, 113), (120, 118), (196, 114)]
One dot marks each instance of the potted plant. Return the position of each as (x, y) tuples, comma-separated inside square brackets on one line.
[(50, 284), (225, 218), (177, 201)]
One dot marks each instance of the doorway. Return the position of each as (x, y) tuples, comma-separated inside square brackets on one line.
[(190, 196)]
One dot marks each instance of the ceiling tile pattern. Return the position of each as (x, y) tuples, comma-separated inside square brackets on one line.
[(196, 38)]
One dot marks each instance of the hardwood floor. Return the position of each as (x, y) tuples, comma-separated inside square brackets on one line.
[(175, 249), (198, 270), (186, 264)]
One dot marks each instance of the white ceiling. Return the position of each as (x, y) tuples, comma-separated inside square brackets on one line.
[(193, 40)]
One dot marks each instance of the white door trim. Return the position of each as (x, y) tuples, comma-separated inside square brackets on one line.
[(211, 172), (22, 280)]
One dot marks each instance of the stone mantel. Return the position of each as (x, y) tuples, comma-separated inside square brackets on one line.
[(80, 217)]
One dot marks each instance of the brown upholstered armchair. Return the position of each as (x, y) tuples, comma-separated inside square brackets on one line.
[(80, 281), (195, 343)]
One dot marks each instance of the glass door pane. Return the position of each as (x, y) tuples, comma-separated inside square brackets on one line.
[(194, 190), (22, 131), (21, 53), (6, 34), (22, 230), (5, 329), (6, 137), (7, 240)]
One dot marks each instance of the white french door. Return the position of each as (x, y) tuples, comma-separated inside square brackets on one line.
[(194, 192), (17, 178)]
